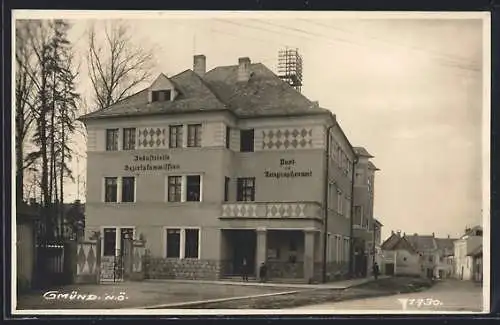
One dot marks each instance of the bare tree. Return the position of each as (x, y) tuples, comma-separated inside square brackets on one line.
[(116, 65), (24, 103)]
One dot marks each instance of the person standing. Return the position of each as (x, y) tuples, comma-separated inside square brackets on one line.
[(263, 272), (376, 270), (244, 270)]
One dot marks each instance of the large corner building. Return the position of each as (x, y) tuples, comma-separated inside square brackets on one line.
[(215, 167)]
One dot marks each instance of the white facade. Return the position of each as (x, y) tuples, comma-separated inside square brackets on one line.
[(463, 268)]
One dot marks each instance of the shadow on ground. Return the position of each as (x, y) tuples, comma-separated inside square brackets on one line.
[(378, 288)]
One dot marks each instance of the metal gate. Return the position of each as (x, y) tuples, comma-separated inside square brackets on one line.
[(112, 268)]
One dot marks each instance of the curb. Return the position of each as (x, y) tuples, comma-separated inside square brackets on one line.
[(201, 302)]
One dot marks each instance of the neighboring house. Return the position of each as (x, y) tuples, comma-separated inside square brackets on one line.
[(26, 217), (426, 246), (477, 263), (465, 247), (444, 258), (216, 167), (363, 220), (399, 257), (423, 255)]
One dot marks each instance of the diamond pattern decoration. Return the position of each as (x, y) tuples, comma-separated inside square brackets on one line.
[(86, 258), (151, 138), (287, 138), (81, 259), (91, 259), (268, 210)]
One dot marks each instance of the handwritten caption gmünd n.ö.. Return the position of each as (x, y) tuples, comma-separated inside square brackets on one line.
[(75, 295)]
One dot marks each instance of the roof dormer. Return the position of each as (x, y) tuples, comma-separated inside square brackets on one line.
[(162, 90)]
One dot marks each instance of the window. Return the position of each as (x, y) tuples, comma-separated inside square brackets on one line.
[(109, 242), (182, 243), (228, 137), (338, 247), (246, 189), (340, 209), (226, 189), (191, 243), (346, 249), (129, 139), (174, 243), (193, 188), (358, 215), (194, 135), (161, 95), (128, 189), (111, 139), (174, 188), (110, 189), (175, 136), (246, 140), (348, 207)]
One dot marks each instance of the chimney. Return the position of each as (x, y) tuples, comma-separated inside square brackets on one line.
[(448, 236), (243, 69), (433, 235), (200, 65), (392, 232)]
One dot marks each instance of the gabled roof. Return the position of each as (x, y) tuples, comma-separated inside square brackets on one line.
[(264, 94), (362, 152), (422, 243), (390, 242), (194, 95)]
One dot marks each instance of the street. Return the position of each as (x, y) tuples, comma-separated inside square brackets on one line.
[(448, 295)]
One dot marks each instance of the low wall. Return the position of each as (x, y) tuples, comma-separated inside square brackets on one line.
[(173, 268), (285, 270)]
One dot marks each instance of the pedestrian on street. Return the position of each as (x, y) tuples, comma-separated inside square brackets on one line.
[(263, 272), (244, 270), (376, 270)]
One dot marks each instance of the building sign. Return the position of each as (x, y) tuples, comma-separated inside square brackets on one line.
[(151, 163), (288, 170)]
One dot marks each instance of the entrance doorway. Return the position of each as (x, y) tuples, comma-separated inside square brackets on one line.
[(389, 269), (240, 245)]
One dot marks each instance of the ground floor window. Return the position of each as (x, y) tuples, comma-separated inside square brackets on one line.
[(113, 239), (182, 243)]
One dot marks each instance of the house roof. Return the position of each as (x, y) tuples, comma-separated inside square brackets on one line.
[(445, 243), (372, 166), (362, 152), (264, 94), (476, 251), (472, 231), (390, 242), (422, 242)]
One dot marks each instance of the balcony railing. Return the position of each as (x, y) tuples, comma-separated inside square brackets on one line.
[(272, 210)]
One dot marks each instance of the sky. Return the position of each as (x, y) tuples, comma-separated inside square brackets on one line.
[(409, 90)]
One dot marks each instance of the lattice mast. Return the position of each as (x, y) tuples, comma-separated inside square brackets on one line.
[(290, 67)]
